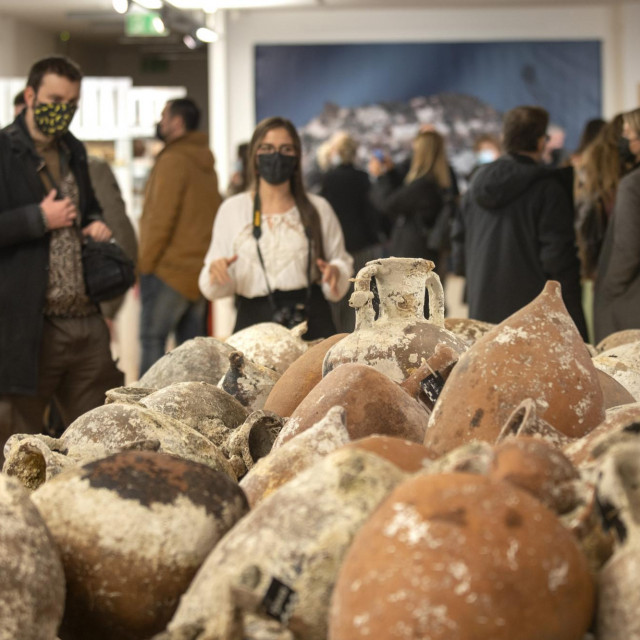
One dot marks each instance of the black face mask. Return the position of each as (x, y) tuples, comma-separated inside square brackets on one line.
[(159, 133), (624, 148), (276, 168)]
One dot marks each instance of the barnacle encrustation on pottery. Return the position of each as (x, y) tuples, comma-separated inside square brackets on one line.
[(207, 409), (408, 456), (133, 529), (249, 383), (623, 364), (617, 339), (103, 431), (398, 340), (535, 353), (32, 588), (301, 376), (468, 329), (270, 344), (296, 455), (198, 360), (459, 555), (252, 440), (372, 401), (296, 537), (473, 457), (618, 493), (128, 394)]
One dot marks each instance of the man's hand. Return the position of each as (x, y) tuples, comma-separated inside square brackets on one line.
[(58, 213), (330, 275), (98, 231), (219, 270)]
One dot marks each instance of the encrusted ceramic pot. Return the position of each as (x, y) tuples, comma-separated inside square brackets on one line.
[(202, 406), (249, 383), (32, 587), (623, 364), (410, 457), (103, 431), (301, 376), (459, 556), (296, 455), (618, 339), (197, 360), (372, 402), (614, 393), (127, 395), (133, 529), (396, 343), (270, 345), (296, 538), (469, 329), (535, 353)]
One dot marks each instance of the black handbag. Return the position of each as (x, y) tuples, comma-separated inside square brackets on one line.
[(108, 271)]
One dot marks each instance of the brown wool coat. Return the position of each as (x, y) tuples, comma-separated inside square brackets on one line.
[(181, 201)]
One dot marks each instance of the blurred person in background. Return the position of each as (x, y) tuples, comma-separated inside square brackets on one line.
[(486, 149), (617, 284), (238, 180), (19, 104), (346, 188), (589, 133), (278, 249), (181, 201)]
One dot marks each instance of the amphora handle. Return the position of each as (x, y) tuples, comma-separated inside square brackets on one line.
[(436, 298)]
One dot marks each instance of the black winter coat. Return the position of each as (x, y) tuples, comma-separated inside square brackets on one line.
[(515, 232), (24, 250)]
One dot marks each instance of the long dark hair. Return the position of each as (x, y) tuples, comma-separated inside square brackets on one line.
[(308, 213)]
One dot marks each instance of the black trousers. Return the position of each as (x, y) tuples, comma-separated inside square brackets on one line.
[(254, 310)]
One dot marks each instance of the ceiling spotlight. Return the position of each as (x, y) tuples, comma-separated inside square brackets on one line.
[(121, 6), (204, 34), (158, 24), (190, 42)]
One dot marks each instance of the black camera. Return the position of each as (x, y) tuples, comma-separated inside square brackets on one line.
[(290, 315)]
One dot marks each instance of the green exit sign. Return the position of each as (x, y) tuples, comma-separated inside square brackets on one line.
[(144, 24)]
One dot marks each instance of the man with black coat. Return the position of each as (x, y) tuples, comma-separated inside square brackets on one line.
[(54, 344), (515, 230)]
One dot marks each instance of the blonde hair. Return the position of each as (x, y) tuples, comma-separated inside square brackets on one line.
[(345, 146), (429, 158), (632, 120)]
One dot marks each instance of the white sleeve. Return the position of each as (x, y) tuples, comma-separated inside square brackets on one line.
[(334, 249), (221, 247)]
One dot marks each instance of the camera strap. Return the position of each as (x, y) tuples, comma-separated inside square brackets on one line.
[(257, 233)]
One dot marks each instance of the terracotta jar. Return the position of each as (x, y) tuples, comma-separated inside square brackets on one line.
[(32, 585), (468, 329), (401, 337), (535, 353), (198, 360), (618, 339), (296, 538), (373, 404), (459, 556), (614, 393), (270, 345), (623, 364), (407, 456), (133, 529), (301, 376)]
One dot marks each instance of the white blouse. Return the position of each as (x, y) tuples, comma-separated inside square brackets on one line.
[(284, 248)]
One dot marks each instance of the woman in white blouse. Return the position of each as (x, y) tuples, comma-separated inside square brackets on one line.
[(278, 249)]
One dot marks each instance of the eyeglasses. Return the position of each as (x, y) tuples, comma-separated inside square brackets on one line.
[(284, 149)]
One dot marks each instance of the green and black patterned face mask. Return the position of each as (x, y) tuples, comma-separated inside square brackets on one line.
[(53, 118)]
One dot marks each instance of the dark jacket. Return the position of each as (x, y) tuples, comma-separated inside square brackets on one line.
[(617, 286), (24, 250), (347, 191), (516, 232)]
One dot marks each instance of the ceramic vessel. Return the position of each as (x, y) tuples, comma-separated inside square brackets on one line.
[(469, 329), (297, 537), (372, 402), (249, 383), (283, 464), (623, 364), (401, 337), (614, 393), (408, 456), (32, 585), (133, 529), (618, 339), (535, 353), (459, 556), (298, 380), (270, 345), (197, 360)]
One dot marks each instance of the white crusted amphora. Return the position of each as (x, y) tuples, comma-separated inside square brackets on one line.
[(396, 342)]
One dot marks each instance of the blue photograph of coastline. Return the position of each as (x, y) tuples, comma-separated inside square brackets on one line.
[(565, 77)]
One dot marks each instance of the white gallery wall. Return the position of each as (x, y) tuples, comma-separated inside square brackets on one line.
[(231, 69), (21, 44)]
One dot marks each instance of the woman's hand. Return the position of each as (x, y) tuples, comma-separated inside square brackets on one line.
[(219, 270), (330, 275), (98, 231)]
